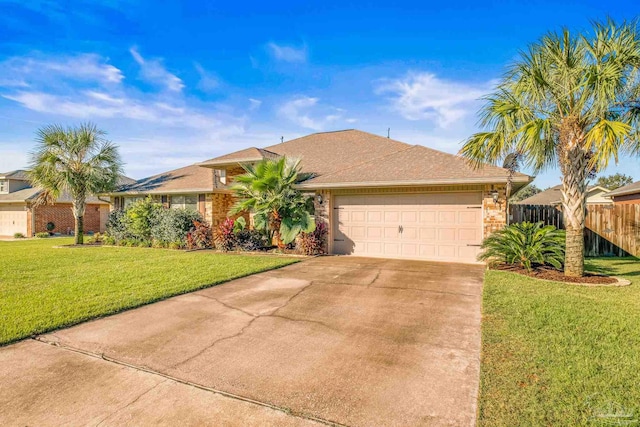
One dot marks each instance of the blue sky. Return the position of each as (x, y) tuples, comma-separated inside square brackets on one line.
[(178, 82)]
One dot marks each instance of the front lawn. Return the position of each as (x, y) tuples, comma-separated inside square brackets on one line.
[(561, 354), (43, 288)]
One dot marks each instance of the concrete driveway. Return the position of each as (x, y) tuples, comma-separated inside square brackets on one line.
[(332, 340)]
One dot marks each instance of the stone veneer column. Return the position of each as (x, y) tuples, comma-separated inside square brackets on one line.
[(323, 214), (494, 213)]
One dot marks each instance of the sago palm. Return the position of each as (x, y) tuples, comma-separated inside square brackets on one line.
[(267, 189), (77, 161), (527, 245), (573, 101)]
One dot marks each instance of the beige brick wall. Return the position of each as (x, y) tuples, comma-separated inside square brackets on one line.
[(494, 213)]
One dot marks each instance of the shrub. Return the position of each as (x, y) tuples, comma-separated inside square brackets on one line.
[(313, 243), (141, 217), (172, 225), (108, 240), (224, 237), (251, 240), (42, 235), (117, 226), (200, 236), (96, 238), (18, 236), (527, 245)]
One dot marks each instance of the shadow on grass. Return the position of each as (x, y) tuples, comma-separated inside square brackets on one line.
[(613, 266)]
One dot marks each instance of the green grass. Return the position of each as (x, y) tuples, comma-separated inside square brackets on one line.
[(44, 288), (561, 355)]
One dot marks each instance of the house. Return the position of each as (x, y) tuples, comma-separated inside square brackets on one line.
[(20, 214), (190, 187), (385, 198), (629, 194), (553, 196)]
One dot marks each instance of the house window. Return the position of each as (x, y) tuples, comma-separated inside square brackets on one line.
[(221, 176), (128, 201), (185, 201), (4, 186)]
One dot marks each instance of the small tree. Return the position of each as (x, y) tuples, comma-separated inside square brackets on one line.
[(78, 161), (611, 182), (267, 189)]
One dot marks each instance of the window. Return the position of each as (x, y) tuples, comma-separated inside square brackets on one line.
[(128, 201), (221, 176), (4, 186), (185, 201)]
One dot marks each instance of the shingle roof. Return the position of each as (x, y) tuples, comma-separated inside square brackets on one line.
[(251, 154), (627, 189), (551, 196), (19, 175), (189, 179), (327, 152), (30, 194), (414, 165)]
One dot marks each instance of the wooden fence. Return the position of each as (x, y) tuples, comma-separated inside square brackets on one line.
[(612, 230)]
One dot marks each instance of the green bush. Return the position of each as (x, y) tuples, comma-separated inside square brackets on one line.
[(172, 225), (142, 216), (18, 236), (108, 240), (176, 245), (42, 235), (527, 245), (117, 226)]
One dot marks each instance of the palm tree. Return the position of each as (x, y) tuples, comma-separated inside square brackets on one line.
[(76, 161), (267, 189), (573, 101)]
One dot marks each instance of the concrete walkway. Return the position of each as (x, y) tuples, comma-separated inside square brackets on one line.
[(332, 340)]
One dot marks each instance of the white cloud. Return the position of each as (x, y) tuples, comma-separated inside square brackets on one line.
[(208, 81), (38, 68), (254, 104), (153, 71), (306, 111), (424, 96), (288, 53)]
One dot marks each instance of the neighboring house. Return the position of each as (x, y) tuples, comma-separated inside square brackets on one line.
[(385, 198), (20, 214), (190, 187), (553, 196), (629, 194)]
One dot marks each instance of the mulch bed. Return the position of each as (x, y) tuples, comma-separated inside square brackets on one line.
[(546, 273)]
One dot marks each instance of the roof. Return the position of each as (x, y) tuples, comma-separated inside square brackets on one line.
[(30, 194), (356, 158), (251, 154), (553, 196), (189, 179), (633, 188), (19, 175)]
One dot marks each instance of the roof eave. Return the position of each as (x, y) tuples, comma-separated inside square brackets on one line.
[(160, 192), (454, 181), (215, 163)]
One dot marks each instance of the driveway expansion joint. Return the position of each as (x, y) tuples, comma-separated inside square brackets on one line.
[(168, 377)]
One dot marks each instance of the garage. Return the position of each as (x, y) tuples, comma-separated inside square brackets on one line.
[(13, 219), (423, 226)]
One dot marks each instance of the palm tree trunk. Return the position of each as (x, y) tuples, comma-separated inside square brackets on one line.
[(574, 186), (276, 220), (78, 215)]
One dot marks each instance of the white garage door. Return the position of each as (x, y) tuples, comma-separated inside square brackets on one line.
[(430, 226), (13, 219)]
